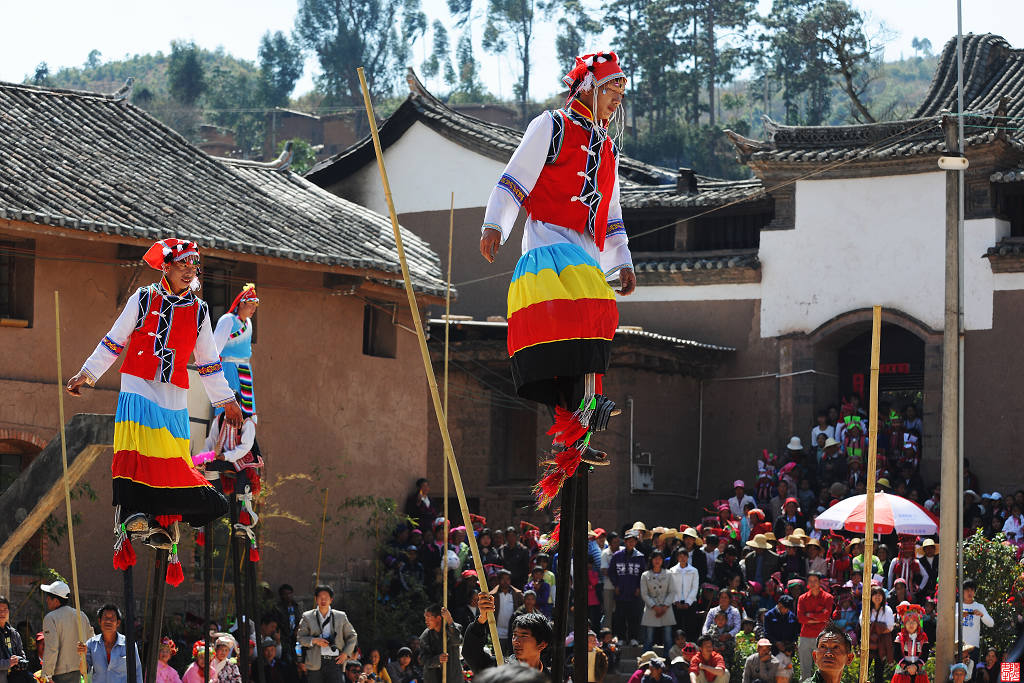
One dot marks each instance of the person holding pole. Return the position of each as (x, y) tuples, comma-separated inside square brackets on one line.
[(155, 483), (433, 654), (561, 311), (61, 657)]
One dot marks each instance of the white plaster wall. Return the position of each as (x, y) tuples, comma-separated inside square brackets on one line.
[(857, 243), (424, 168), (716, 292)]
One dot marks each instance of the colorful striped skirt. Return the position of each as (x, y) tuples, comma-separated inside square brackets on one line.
[(561, 320), (152, 468), (239, 377)]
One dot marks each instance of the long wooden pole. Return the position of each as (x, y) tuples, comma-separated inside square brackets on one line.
[(67, 486), (435, 395), (323, 526), (444, 460), (869, 503)]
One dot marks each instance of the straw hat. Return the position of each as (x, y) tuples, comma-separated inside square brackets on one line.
[(770, 535), (690, 532), (642, 529), (926, 543), (830, 442), (792, 542), (795, 444), (759, 541), (855, 543), (646, 657), (800, 535), (813, 542)]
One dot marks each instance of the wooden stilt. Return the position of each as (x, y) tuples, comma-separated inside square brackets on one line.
[(129, 620), (251, 584), (562, 581), (207, 595), (155, 618), (580, 580), (428, 369), (241, 620), (444, 460), (869, 503)]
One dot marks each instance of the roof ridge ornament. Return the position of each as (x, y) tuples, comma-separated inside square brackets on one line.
[(124, 91)]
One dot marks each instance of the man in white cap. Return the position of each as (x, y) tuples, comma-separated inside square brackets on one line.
[(61, 659), (739, 500)]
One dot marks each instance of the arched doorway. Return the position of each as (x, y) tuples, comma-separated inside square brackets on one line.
[(15, 455), (901, 367)]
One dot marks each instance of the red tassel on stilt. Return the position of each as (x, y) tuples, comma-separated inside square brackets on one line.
[(567, 428), (174, 574), (201, 538), (125, 556), (244, 518), (254, 554), (556, 475)]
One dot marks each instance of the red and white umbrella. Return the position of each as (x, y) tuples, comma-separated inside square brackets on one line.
[(891, 512)]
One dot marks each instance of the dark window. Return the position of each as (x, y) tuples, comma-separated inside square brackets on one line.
[(651, 234), (17, 274), (513, 444), (380, 336), (712, 232), (1010, 205)]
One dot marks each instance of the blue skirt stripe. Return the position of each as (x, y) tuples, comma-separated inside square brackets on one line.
[(556, 257), (134, 408)]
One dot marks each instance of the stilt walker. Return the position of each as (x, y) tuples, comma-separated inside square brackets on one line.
[(234, 344), (155, 484), (561, 311)]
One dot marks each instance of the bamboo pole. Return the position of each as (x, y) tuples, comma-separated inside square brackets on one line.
[(67, 486), (444, 460), (323, 527), (869, 503), (427, 367)]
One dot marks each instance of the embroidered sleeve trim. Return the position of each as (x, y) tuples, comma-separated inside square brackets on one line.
[(112, 346), (514, 189), (621, 266), (89, 377), (492, 226), (221, 404), (615, 227), (210, 369)]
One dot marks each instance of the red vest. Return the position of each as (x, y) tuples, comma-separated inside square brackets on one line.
[(564, 197), (164, 337)]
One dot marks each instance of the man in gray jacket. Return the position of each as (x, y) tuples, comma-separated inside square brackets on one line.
[(61, 659), (330, 637)]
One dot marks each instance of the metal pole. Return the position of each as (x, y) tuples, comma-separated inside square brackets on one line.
[(960, 324), (241, 620), (444, 460), (580, 579), (869, 503), (565, 535), (951, 484)]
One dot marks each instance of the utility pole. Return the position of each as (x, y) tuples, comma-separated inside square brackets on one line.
[(950, 492)]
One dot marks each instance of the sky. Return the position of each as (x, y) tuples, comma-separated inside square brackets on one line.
[(63, 32)]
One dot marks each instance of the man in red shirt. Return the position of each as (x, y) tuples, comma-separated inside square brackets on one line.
[(813, 611), (709, 663)]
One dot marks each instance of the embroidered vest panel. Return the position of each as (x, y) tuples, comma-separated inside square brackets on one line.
[(575, 186), (163, 339)]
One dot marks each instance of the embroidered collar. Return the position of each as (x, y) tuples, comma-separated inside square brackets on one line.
[(183, 299), (581, 114)]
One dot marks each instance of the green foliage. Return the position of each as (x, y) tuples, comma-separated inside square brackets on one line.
[(234, 100), (440, 60), (280, 68), (186, 79), (510, 25), (346, 34), (993, 564), (42, 75)]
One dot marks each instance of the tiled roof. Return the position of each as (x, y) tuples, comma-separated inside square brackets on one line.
[(1010, 175), (97, 163), (489, 139), (993, 83), (710, 192), (1008, 246), (697, 262)]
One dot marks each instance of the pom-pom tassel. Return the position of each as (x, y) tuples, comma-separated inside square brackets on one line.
[(201, 538), (567, 428), (124, 555), (175, 575), (167, 520), (254, 552)]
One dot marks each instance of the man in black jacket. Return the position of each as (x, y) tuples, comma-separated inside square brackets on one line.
[(531, 636), (12, 654), (515, 557)]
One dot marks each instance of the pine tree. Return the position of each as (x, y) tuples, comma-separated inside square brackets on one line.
[(280, 68), (185, 77)]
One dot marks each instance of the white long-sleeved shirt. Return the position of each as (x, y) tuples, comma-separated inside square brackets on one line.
[(164, 394), (235, 446), (525, 166), (1013, 527), (685, 583), (975, 615)]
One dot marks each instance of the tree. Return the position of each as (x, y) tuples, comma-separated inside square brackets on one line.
[(469, 85), (718, 62), (280, 68), (993, 564), (93, 60), (510, 22), (838, 29), (796, 62), (234, 99), (922, 45), (42, 74), (576, 23), (303, 155), (440, 60), (347, 34), (185, 78)]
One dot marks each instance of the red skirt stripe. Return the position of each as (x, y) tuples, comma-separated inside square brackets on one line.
[(561, 319), (173, 473)]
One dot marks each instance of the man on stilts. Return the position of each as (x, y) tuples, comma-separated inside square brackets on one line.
[(562, 313), (155, 484)]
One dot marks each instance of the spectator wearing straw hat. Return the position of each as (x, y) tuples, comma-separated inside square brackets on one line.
[(61, 659), (762, 562), (698, 560)]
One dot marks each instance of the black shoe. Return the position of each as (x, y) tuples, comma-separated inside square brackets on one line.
[(592, 456), (603, 411)]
